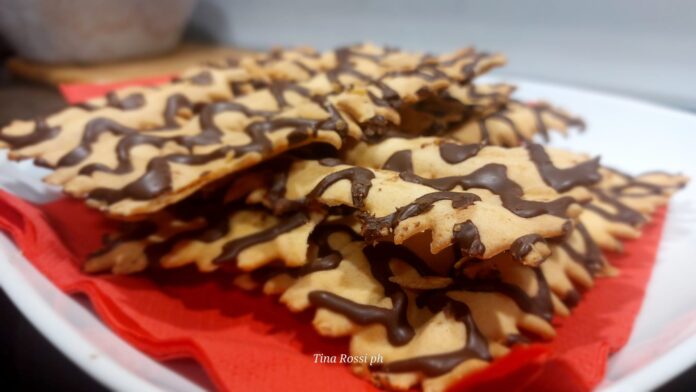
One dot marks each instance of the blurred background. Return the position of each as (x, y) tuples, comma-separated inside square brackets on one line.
[(642, 48)]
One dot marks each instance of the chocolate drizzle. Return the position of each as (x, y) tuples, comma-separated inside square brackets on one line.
[(514, 339), (42, 131), (375, 228), (468, 241), (231, 249), (455, 153), (360, 182), (128, 231), (472, 66), (622, 213), (591, 259), (214, 215), (320, 256), (276, 192), (345, 66), (157, 178), (450, 112), (172, 107), (394, 319), (491, 281), (502, 117), (129, 102), (399, 331), (400, 161), (540, 109), (476, 346), (572, 298), (524, 245), (493, 177), (202, 78), (631, 182), (562, 180)]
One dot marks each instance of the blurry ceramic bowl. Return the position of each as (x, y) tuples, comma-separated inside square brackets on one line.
[(91, 31)]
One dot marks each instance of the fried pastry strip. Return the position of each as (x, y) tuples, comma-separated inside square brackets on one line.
[(515, 123), (127, 171), (393, 209)]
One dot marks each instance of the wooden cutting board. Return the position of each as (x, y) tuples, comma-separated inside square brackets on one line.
[(186, 55)]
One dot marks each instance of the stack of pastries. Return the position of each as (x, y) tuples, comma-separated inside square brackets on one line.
[(388, 190)]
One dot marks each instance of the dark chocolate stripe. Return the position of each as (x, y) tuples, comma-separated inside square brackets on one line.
[(129, 102), (631, 182), (394, 319), (398, 330), (175, 103), (502, 116), (128, 231), (41, 132), (539, 304), (562, 180), (538, 110), (476, 347), (572, 298), (400, 161), (157, 178), (591, 259), (376, 228), (493, 177), (466, 237), (622, 213), (320, 256), (514, 339), (202, 78), (455, 153), (232, 249), (360, 183), (523, 245), (542, 109)]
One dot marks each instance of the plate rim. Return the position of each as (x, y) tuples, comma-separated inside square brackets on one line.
[(58, 331)]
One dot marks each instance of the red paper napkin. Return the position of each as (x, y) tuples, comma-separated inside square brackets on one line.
[(250, 342), (80, 92)]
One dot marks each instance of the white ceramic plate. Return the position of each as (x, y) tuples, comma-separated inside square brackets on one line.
[(630, 135)]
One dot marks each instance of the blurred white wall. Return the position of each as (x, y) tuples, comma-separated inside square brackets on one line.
[(645, 49)]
